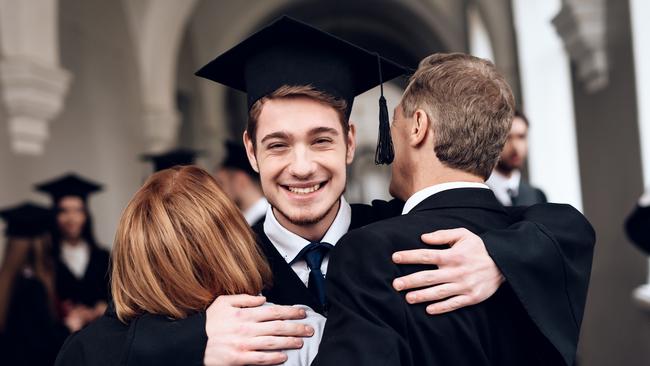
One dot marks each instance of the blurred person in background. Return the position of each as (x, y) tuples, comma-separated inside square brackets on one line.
[(242, 184), (30, 330), (171, 158), (170, 260), (81, 265), (637, 225), (506, 181)]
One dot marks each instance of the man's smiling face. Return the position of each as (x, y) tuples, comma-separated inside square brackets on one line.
[(301, 153)]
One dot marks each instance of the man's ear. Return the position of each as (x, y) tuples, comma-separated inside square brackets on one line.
[(420, 127), (351, 140), (250, 152)]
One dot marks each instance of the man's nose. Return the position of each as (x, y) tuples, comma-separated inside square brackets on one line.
[(302, 164)]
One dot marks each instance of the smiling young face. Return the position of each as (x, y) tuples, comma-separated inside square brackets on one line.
[(301, 153)]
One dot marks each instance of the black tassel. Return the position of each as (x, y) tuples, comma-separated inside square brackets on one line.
[(384, 153)]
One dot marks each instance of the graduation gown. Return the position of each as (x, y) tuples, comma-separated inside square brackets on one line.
[(370, 323), (92, 287), (528, 195), (545, 257), (32, 336)]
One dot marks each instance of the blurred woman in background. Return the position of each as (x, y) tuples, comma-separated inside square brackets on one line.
[(81, 266)]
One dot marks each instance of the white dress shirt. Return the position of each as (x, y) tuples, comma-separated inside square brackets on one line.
[(256, 211), (425, 193), (504, 187), (76, 257), (289, 244)]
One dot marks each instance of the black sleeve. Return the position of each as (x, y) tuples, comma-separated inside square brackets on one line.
[(546, 258), (365, 312), (637, 227), (161, 341)]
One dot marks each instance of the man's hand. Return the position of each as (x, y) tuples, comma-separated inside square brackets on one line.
[(466, 274), (242, 332)]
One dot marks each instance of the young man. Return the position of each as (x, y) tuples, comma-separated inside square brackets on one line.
[(506, 181), (242, 184), (301, 83), (448, 131)]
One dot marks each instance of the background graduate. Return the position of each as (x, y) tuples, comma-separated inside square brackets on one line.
[(30, 330), (242, 184), (81, 265)]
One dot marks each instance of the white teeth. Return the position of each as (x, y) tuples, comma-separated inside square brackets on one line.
[(305, 190)]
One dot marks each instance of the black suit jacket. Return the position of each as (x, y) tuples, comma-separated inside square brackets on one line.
[(528, 195), (370, 323), (545, 256)]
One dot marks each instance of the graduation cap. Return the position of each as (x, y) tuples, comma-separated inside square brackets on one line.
[(172, 158), (289, 52), (69, 185), (236, 159), (26, 220)]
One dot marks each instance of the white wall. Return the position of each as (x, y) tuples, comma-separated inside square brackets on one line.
[(639, 14)]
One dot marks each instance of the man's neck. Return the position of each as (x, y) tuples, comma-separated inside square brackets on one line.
[(312, 232), (445, 175)]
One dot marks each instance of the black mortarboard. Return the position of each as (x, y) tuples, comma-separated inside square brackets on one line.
[(289, 52), (236, 159), (69, 185), (172, 158), (26, 220)]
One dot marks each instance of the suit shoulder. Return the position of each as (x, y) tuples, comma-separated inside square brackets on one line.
[(378, 237)]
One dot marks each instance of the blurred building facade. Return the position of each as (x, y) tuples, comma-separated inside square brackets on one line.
[(90, 85)]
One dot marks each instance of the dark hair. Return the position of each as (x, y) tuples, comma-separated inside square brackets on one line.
[(520, 114)]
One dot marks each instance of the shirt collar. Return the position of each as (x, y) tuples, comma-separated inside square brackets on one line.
[(289, 244), (498, 181), (256, 211), (425, 193)]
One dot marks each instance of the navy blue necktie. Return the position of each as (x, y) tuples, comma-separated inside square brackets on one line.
[(313, 255)]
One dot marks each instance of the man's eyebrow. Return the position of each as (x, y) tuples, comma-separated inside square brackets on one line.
[(319, 130), (276, 135)]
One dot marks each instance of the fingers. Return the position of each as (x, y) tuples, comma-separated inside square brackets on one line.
[(281, 328), (273, 312), (242, 301), (448, 305), (419, 256), (441, 237), (423, 279), (259, 358), (269, 343), (435, 293)]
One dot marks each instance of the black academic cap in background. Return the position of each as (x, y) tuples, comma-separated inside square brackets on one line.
[(290, 52), (69, 185), (236, 159), (172, 158), (27, 220)]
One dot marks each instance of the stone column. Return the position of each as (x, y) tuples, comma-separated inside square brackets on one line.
[(157, 28), (32, 83)]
